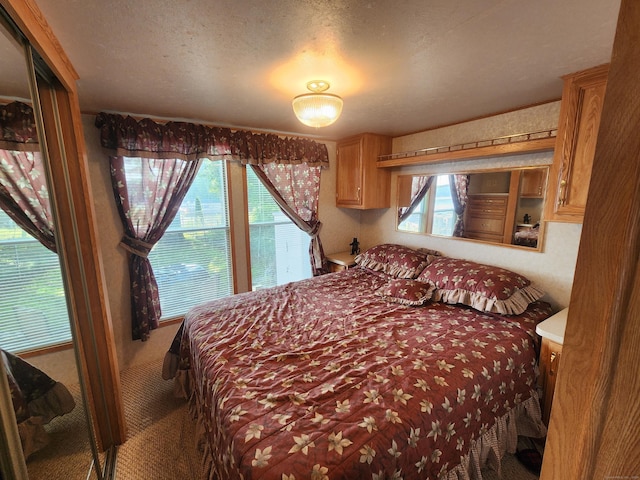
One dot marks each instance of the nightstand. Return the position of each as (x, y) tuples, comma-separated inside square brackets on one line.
[(340, 261), (552, 333)]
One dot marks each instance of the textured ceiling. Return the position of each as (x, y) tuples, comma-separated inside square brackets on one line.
[(401, 66)]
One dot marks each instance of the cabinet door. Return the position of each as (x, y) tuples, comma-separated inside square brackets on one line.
[(580, 110), (533, 183), (349, 173), (360, 183), (550, 353)]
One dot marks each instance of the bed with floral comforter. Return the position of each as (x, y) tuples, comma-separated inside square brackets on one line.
[(328, 379)]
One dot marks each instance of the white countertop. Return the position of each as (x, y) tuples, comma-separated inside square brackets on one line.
[(341, 258), (554, 326)]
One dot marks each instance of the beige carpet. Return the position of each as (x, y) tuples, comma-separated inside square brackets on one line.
[(68, 453), (161, 442), (161, 434)]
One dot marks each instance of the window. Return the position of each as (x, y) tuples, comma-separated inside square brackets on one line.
[(437, 205), (279, 249), (416, 221), (33, 308), (192, 261), (444, 215)]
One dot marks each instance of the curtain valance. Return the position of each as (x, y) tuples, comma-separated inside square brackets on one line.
[(148, 139), (18, 128)]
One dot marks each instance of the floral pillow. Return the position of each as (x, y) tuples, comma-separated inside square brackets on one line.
[(395, 260), (483, 287), (406, 291)]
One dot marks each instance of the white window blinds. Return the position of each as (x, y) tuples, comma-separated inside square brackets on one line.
[(192, 261), (279, 249), (33, 308)]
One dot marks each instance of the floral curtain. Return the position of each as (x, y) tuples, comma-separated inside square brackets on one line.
[(459, 188), (168, 157), (24, 195), (148, 194), (296, 190), (420, 185)]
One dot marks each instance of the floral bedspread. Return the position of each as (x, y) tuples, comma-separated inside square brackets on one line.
[(323, 379)]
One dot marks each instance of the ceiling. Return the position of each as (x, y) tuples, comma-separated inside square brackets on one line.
[(400, 66)]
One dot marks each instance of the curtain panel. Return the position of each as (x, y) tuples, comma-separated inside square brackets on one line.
[(24, 195), (459, 185), (145, 138), (148, 195)]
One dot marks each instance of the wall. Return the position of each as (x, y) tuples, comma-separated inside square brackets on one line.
[(339, 227), (553, 268)]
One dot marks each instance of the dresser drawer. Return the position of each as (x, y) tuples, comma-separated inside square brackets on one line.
[(485, 225), (487, 206)]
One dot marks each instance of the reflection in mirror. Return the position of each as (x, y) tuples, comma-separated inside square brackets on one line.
[(500, 206), (39, 366)]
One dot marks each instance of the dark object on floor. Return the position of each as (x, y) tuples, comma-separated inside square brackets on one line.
[(531, 459)]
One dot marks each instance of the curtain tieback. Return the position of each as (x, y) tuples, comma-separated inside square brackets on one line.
[(136, 246)]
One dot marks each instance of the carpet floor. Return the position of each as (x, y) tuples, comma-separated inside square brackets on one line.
[(161, 440)]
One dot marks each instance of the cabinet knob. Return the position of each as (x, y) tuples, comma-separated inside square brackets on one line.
[(562, 193)]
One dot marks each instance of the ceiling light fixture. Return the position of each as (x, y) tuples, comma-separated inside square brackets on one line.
[(317, 109)]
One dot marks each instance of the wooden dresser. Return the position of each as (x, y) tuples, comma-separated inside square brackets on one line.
[(485, 216)]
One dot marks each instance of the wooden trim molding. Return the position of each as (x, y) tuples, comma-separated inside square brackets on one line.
[(594, 428), (34, 26), (83, 263)]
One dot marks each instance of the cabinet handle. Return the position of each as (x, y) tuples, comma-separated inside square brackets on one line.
[(359, 194), (554, 363), (561, 193)]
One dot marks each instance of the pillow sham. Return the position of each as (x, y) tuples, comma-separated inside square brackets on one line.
[(483, 287), (395, 260), (406, 291)]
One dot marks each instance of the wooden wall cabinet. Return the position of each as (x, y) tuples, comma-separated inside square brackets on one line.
[(533, 183), (359, 182), (570, 173)]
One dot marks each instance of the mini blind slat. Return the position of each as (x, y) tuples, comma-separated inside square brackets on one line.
[(33, 310)]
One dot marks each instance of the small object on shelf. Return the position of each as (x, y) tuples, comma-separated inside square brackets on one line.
[(527, 218), (355, 246)]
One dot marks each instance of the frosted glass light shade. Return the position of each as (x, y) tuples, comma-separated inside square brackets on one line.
[(317, 109)]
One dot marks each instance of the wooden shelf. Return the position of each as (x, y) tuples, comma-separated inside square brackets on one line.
[(510, 145)]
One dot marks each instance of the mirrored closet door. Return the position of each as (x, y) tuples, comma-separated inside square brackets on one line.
[(47, 405)]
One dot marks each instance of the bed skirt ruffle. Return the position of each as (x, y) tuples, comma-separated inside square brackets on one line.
[(56, 402), (525, 419)]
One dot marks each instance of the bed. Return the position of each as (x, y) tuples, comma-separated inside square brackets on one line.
[(397, 368), (527, 236)]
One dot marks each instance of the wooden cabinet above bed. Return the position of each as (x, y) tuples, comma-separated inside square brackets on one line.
[(359, 182), (580, 110)]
